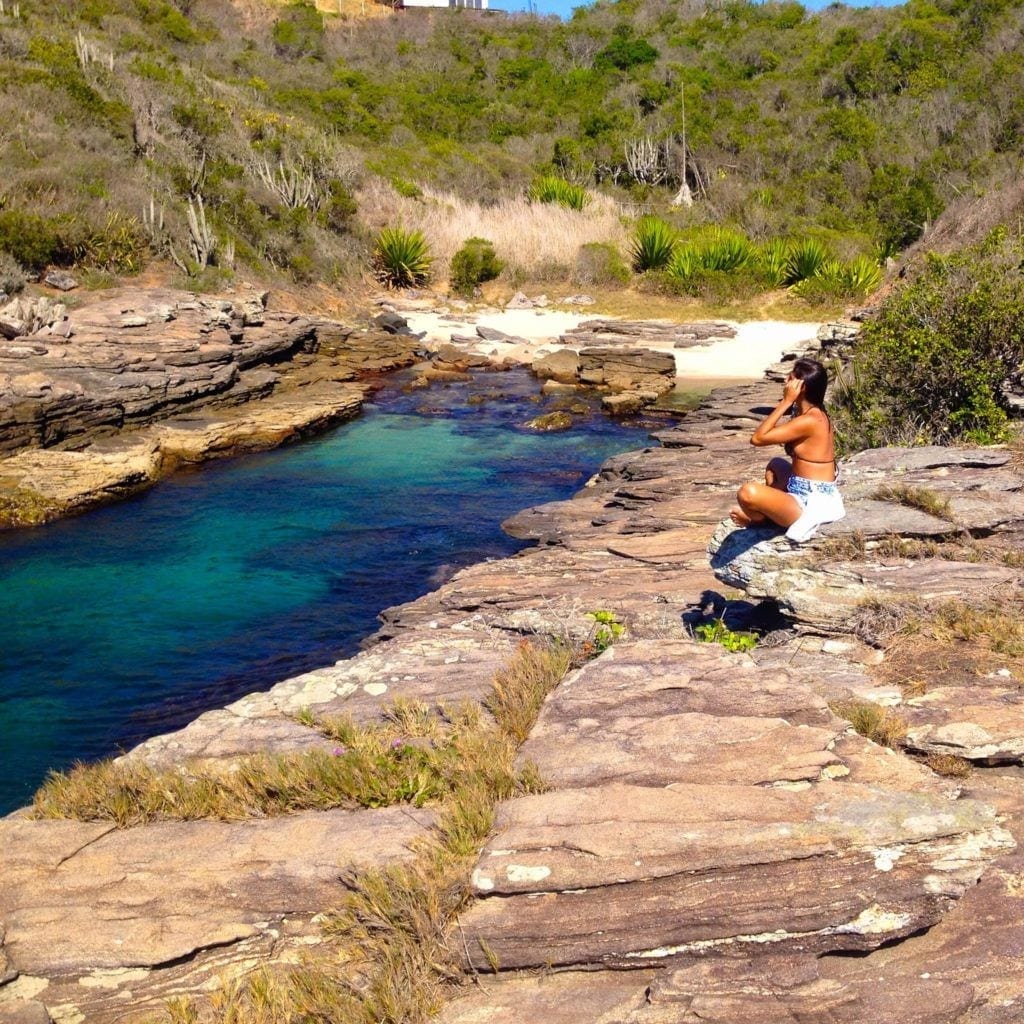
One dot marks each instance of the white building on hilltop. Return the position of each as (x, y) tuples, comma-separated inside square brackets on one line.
[(472, 5)]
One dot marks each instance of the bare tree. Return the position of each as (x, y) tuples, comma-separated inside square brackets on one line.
[(684, 197)]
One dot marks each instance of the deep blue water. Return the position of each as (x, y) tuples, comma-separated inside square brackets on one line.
[(133, 619)]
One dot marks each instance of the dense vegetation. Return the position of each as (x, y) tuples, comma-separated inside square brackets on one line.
[(933, 366), (249, 139)]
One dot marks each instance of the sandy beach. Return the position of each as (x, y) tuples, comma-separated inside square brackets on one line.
[(757, 344)]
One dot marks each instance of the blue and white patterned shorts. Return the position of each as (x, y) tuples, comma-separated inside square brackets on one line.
[(820, 502)]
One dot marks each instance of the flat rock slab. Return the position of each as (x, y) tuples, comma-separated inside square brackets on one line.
[(175, 902), (673, 829), (550, 591), (61, 482), (619, 875), (981, 723), (828, 593), (658, 713)]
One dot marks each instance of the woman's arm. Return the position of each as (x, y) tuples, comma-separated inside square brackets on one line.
[(769, 431)]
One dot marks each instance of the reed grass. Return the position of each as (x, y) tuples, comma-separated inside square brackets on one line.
[(532, 239)]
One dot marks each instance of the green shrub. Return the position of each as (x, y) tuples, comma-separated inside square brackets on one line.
[(473, 264), (35, 241), (401, 259), (933, 363), (12, 277), (625, 51), (600, 263), (299, 32), (550, 189), (653, 244), (338, 208), (118, 246), (726, 251), (406, 189)]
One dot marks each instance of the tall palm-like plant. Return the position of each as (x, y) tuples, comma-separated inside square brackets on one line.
[(652, 245), (401, 258)]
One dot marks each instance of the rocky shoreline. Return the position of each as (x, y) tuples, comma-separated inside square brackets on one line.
[(119, 392), (713, 840)]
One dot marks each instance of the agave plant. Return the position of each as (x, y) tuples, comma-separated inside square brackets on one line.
[(863, 275), (685, 262), (773, 260), (401, 259), (652, 246), (727, 251), (551, 189), (805, 258), (837, 280)]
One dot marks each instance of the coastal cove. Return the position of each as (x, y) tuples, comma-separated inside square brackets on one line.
[(134, 619)]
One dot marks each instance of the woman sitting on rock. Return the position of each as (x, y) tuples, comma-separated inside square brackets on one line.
[(802, 494)]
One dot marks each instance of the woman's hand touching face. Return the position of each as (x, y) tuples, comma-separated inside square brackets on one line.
[(792, 388)]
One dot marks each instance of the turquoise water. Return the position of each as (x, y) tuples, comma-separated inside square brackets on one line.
[(134, 619)]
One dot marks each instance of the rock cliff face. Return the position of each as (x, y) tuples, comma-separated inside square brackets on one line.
[(114, 394), (713, 840)]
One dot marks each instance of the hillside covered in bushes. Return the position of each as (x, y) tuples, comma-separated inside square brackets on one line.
[(278, 139)]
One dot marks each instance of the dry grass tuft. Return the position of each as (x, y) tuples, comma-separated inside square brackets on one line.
[(521, 687), (533, 239), (995, 627), (391, 946), (880, 725), (924, 499), (949, 765), (876, 622)]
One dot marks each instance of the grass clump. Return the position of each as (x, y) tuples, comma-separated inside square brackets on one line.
[(949, 765), (520, 688), (995, 627), (12, 277), (413, 757), (552, 189), (401, 259), (924, 499), (880, 725)]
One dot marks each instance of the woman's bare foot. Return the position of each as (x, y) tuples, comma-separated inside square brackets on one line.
[(739, 517)]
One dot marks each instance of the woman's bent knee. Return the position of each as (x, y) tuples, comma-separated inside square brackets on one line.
[(747, 494)]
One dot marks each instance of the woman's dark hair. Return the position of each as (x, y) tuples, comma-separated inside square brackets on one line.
[(815, 378)]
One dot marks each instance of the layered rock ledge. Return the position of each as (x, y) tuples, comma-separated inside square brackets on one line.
[(117, 392), (713, 841)]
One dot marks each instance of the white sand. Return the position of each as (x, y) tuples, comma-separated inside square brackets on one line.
[(757, 345)]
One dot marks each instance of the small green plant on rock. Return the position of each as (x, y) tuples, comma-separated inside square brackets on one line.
[(718, 632), (607, 629)]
